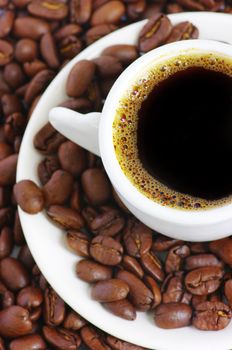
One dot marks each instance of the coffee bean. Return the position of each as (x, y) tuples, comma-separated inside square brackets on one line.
[(10, 104), (80, 11), (137, 238), (198, 248), (58, 188), (6, 216), (73, 321), (38, 84), (7, 297), (201, 5), (6, 22), (30, 298), (106, 250), (80, 78), (78, 242), (121, 308), (66, 217), (75, 200), (91, 271), (47, 140), (15, 322), (6, 52), (174, 259), (48, 51), (61, 338), (67, 30), (30, 27), (49, 9), (223, 249), (6, 242), (82, 105), (132, 265), (173, 315), (28, 342), (117, 344), (17, 231), (29, 196), (111, 12), (110, 290), (174, 8), (201, 260), (69, 47), (13, 273), (108, 66), (98, 32), (25, 257), (228, 291), (34, 67), (155, 32), (92, 339), (162, 243), (53, 308), (26, 50), (173, 289), (13, 75), (155, 289), (96, 186), (183, 31), (47, 167), (125, 53), (211, 316), (136, 9), (5, 151), (204, 280), (140, 296), (21, 3), (72, 158), (152, 265)]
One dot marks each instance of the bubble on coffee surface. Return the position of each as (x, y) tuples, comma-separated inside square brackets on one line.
[(125, 126)]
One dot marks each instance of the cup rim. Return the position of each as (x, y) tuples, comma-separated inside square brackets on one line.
[(119, 180)]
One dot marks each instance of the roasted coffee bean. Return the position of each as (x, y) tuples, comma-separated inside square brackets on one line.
[(17, 231), (34, 67), (30, 298), (73, 321), (75, 200), (140, 296), (173, 315), (29, 196), (5, 150), (94, 95), (53, 308), (183, 31), (174, 259), (201, 5), (228, 291), (137, 238), (58, 188), (66, 217), (91, 271), (13, 274), (223, 249), (162, 243), (198, 299), (67, 30), (121, 308), (25, 257), (117, 344), (131, 264), (47, 140), (28, 342), (108, 223), (198, 248), (48, 51), (7, 297), (108, 66), (155, 32), (204, 280), (174, 8), (72, 158), (10, 104), (96, 186), (78, 242), (6, 242), (80, 78), (125, 53), (30, 27), (70, 47), (111, 12), (6, 52), (80, 11), (47, 167), (211, 316), (82, 105), (6, 216), (97, 32), (26, 50), (13, 75), (38, 84), (110, 290), (155, 289), (201, 260), (6, 22), (152, 265), (14, 128), (61, 338), (106, 250), (92, 339), (136, 9), (174, 289), (15, 322), (49, 9)]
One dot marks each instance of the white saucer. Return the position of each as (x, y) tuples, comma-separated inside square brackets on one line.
[(47, 242)]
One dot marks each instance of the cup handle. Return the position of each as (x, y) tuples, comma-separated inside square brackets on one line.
[(79, 128)]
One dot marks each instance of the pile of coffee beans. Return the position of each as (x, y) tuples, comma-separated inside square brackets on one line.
[(37, 38)]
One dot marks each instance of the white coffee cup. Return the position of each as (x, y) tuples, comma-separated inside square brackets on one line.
[(93, 131)]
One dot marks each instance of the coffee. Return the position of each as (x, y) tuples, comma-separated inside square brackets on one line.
[(173, 132)]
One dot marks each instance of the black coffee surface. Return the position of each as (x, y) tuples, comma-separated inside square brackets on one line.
[(184, 133)]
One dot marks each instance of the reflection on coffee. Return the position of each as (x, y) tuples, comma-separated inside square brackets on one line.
[(172, 132)]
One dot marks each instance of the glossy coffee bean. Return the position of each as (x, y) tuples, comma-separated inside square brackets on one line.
[(13, 274), (29, 196), (211, 316), (106, 250), (53, 308), (121, 308), (91, 271), (58, 188), (28, 342), (173, 315), (204, 280), (15, 322)]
